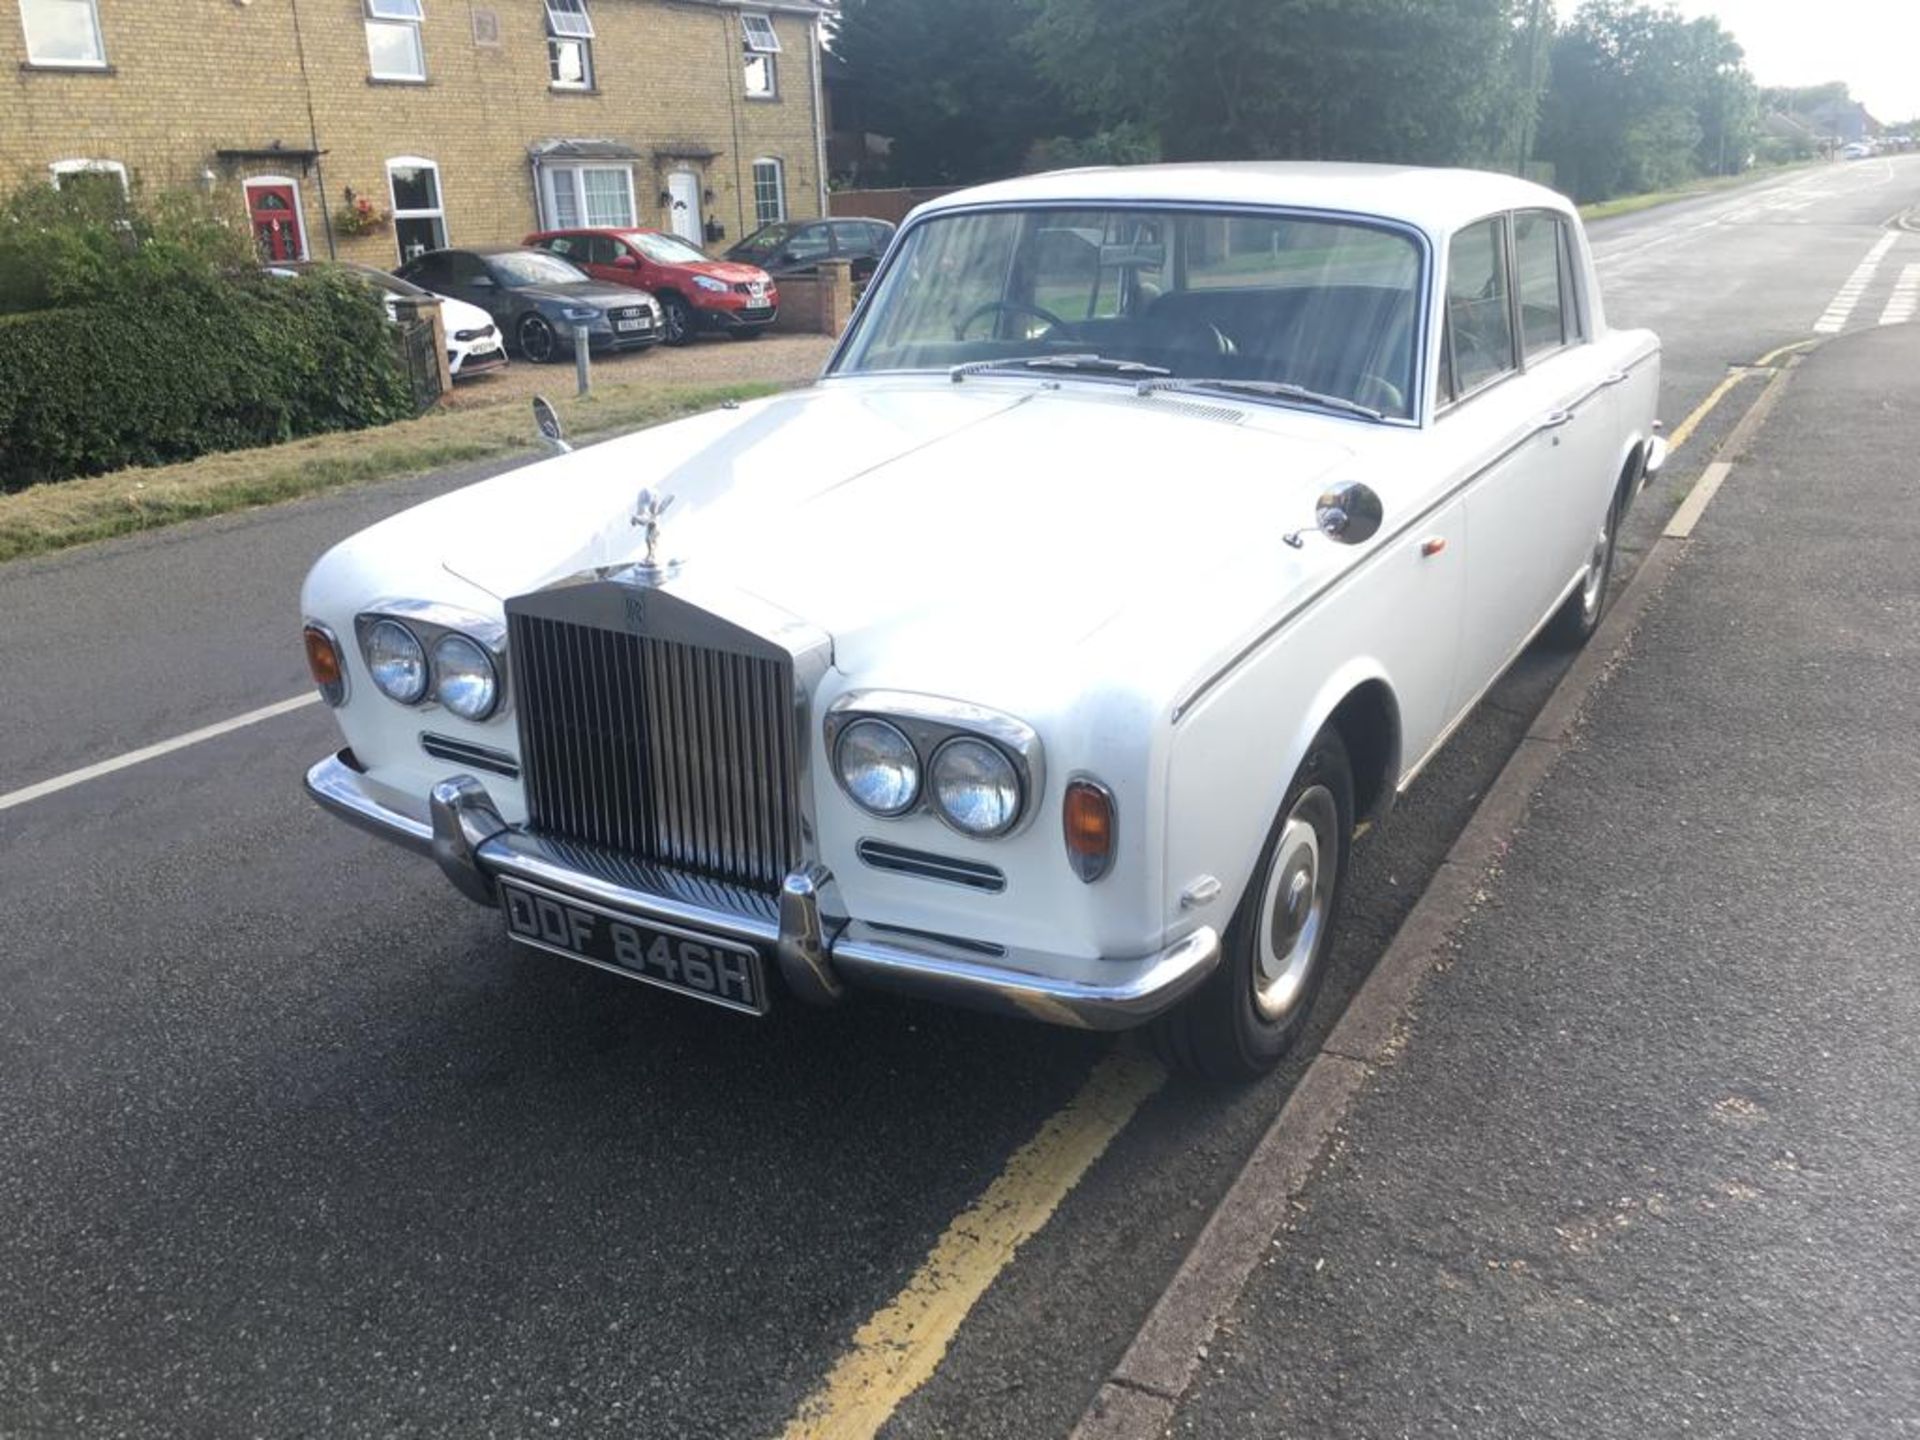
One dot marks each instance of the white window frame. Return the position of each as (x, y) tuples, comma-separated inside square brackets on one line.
[(569, 20), (554, 82), (60, 168), (573, 176), (758, 34), (772, 63), (99, 62), (779, 168), (437, 212), (394, 14)]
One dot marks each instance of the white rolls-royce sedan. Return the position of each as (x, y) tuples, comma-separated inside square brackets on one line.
[(1148, 531)]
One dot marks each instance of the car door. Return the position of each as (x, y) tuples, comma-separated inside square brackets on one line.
[(1495, 418), (1568, 378)]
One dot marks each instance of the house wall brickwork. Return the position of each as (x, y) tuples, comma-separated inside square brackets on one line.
[(186, 79)]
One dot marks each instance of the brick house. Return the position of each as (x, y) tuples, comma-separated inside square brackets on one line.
[(460, 121)]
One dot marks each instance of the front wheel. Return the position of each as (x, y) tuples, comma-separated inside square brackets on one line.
[(537, 340), (676, 320), (1238, 1025)]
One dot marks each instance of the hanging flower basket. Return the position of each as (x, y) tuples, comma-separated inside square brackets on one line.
[(359, 216)]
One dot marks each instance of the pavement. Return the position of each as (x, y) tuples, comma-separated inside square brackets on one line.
[(1646, 1163), (290, 1142)]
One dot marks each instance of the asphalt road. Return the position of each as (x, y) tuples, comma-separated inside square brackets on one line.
[(291, 1143)]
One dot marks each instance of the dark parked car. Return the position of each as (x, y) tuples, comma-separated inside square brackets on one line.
[(537, 299), (696, 294), (792, 247)]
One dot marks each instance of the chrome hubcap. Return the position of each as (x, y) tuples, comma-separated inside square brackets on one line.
[(1294, 902), (1596, 581)]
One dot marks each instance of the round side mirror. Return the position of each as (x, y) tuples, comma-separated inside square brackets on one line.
[(547, 420), (1348, 512)]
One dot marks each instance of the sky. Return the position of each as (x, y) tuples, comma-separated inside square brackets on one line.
[(1873, 45)]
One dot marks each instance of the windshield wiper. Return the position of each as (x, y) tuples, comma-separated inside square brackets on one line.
[(1093, 364), (1280, 389)]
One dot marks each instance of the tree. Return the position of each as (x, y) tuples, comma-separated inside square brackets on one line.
[(1641, 99), (952, 83), (1418, 81)]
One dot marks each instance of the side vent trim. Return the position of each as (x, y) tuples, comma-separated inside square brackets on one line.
[(918, 863)]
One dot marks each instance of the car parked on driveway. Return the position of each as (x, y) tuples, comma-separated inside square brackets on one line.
[(796, 247), (539, 300), (696, 295), (1149, 531), (474, 343)]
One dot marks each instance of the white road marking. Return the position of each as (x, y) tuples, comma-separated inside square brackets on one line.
[(153, 752), (1840, 309), (1905, 299)]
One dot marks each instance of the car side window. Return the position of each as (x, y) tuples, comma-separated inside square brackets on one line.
[(1479, 320), (429, 272), (602, 249), (467, 269), (566, 245), (877, 236), (1538, 260), (811, 243)]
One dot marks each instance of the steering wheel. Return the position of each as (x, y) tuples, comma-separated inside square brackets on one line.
[(1013, 307)]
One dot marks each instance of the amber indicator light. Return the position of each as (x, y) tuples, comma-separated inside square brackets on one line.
[(323, 661), (1088, 818)]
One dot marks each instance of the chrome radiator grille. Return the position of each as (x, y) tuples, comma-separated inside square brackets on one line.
[(670, 752)]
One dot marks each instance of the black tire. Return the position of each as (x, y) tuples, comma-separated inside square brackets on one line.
[(1222, 1033), (536, 340), (1576, 620), (676, 320)]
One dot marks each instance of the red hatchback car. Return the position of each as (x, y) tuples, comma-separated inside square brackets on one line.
[(695, 294)]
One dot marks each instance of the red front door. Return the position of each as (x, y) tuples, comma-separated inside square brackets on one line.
[(276, 222)]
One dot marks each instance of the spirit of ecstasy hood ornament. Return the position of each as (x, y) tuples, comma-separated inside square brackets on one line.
[(647, 510)]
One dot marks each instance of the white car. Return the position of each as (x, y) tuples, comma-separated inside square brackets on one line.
[(1856, 150), (1149, 530), (474, 342)]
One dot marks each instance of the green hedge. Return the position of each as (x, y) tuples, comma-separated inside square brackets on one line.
[(189, 367)]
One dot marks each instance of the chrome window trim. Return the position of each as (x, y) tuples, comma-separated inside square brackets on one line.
[(1423, 298), (929, 722)]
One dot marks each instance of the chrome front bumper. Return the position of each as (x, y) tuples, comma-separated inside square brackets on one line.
[(817, 953)]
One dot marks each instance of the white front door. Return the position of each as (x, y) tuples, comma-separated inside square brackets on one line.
[(683, 209)]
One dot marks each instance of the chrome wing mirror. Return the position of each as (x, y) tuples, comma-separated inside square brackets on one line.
[(1349, 513), (547, 420)]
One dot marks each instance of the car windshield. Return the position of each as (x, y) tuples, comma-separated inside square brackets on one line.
[(765, 240), (666, 249), (532, 267), (1294, 307)]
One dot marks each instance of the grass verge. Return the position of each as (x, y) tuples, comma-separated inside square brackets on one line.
[(71, 512), (1630, 204)]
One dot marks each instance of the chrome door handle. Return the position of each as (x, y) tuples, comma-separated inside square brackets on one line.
[(1554, 419), (1615, 378)]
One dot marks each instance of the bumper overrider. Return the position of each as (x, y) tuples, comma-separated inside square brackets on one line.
[(816, 951)]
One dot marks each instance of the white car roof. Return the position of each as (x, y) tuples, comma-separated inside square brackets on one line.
[(1434, 200)]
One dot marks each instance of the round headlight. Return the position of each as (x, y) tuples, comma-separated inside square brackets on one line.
[(878, 766), (975, 787), (464, 680), (397, 662)]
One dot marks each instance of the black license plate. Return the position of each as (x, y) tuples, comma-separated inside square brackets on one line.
[(683, 961)]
